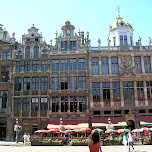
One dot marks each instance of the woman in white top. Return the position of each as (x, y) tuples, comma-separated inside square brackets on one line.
[(130, 141)]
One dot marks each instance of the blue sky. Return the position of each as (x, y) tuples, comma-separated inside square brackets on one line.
[(93, 16)]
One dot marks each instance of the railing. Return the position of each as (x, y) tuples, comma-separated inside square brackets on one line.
[(129, 103), (120, 48)]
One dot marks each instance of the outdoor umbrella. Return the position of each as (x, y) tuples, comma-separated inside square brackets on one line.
[(135, 130), (99, 130), (110, 131), (123, 130), (40, 131), (53, 131), (83, 130), (75, 130), (144, 130), (68, 131)]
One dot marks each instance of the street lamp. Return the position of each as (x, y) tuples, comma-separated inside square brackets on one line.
[(17, 128)]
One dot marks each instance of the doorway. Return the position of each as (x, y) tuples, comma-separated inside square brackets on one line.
[(130, 124), (2, 133)]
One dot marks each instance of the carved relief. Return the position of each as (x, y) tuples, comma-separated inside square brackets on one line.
[(126, 68)]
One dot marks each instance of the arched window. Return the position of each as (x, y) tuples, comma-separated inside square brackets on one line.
[(36, 52), (27, 52)]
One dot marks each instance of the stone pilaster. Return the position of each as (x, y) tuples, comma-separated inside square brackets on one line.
[(135, 94), (121, 94), (145, 93), (109, 62), (142, 65)]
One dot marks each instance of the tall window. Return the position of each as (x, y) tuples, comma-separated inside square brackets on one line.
[(6, 54), (140, 90), (72, 64), (95, 66), (3, 99), (128, 91), (18, 84), (123, 40), (26, 84), (147, 63), (149, 89), (114, 65), (35, 83), (36, 52), (55, 104), (96, 90), (137, 61), (64, 46), (55, 83), (82, 103), (73, 103), (64, 83), (5, 74), (55, 65), (72, 45), (82, 83), (131, 40), (64, 65), (27, 66), (35, 104), (73, 83), (114, 41), (18, 66), (27, 52), (64, 103), (44, 65), (116, 91), (105, 66), (35, 65), (44, 104), (106, 90), (26, 105), (44, 83), (17, 104), (81, 64)]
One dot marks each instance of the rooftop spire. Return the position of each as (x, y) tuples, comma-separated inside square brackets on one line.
[(118, 9)]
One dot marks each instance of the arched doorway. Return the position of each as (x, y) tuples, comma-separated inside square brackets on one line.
[(130, 124)]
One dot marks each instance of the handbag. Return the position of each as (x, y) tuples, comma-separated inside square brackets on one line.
[(100, 147)]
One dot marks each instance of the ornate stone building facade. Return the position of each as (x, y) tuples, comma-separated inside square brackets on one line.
[(41, 83)]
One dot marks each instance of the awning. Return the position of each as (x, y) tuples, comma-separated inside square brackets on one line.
[(102, 122), (68, 124), (145, 120)]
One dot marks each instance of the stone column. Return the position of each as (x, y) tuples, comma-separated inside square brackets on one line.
[(90, 66), (145, 93), (87, 104), (109, 62), (121, 94), (111, 93), (101, 94), (119, 61), (100, 66), (142, 65), (69, 104), (91, 96), (78, 104), (135, 94), (59, 111), (133, 63)]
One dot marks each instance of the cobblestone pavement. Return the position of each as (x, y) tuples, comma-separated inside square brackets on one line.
[(13, 147)]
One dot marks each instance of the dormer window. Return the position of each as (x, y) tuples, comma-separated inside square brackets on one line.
[(19, 53), (72, 45), (36, 40), (64, 46), (122, 24), (44, 51), (28, 40), (123, 40), (32, 35)]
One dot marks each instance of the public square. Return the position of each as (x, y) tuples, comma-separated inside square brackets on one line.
[(20, 147)]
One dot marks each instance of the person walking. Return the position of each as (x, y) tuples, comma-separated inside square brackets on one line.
[(94, 142), (130, 141), (125, 142)]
